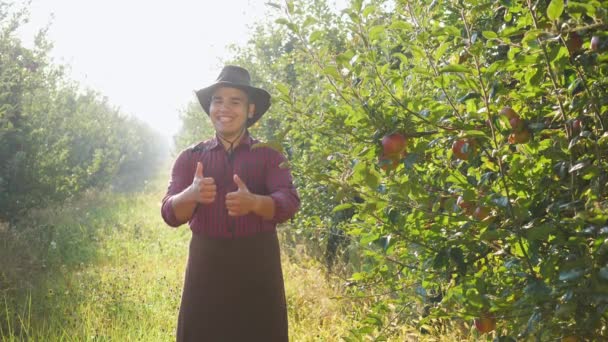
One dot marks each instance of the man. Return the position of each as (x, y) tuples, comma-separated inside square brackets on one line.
[(233, 194)]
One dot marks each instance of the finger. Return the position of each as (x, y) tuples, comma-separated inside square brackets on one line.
[(199, 170), (205, 200), (208, 188), (208, 194), (208, 180), (240, 183), (234, 213)]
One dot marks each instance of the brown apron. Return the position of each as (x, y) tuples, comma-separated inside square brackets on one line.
[(233, 291)]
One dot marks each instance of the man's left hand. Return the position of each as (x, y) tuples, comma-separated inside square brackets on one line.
[(240, 202)]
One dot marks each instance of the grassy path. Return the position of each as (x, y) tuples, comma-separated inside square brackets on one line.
[(107, 268)]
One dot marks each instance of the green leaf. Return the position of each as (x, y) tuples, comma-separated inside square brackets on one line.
[(342, 207), (474, 298), (331, 71), (468, 96), (531, 35), (371, 237), (592, 172), (540, 232), (290, 6), (410, 160), (309, 21), (440, 52), (582, 8), (369, 10), (316, 35), (441, 259), (277, 6), (475, 133), (455, 68), (345, 57), (555, 9), (376, 32), (400, 25), (490, 235), (283, 89), (282, 21), (374, 319), (489, 34)]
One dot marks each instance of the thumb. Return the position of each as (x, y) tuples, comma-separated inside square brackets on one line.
[(240, 183), (199, 170)]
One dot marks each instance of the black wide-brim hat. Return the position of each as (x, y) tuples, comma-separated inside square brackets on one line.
[(236, 77)]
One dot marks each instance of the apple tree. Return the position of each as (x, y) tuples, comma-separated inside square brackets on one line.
[(497, 204)]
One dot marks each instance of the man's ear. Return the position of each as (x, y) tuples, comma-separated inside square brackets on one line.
[(251, 110)]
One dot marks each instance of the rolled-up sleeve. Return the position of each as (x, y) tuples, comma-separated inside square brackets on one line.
[(279, 183), (181, 177)]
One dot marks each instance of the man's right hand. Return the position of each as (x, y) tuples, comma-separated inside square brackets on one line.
[(203, 189)]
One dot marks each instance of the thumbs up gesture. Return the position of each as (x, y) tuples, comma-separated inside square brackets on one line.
[(240, 202), (203, 189)]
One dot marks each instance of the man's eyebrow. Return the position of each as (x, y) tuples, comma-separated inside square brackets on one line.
[(232, 98)]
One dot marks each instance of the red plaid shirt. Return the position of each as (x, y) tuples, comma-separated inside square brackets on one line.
[(260, 168)]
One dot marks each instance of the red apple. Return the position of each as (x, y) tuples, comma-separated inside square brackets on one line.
[(595, 43), (509, 113), (393, 144), (463, 148), (516, 123), (519, 137), (486, 323), (574, 42), (577, 125)]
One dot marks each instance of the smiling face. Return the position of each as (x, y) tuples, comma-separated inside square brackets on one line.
[(229, 111)]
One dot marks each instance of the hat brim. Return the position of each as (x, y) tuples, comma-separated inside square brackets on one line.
[(260, 97)]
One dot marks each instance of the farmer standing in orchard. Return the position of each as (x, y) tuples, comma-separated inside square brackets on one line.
[(232, 194)]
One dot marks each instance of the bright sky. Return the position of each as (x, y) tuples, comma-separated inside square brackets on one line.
[(147, 57)]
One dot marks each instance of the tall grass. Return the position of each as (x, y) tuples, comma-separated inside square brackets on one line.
[(106, 268)]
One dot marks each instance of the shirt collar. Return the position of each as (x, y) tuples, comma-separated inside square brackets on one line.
[(246, 139)]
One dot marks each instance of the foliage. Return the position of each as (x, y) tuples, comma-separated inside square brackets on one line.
[(527, 240), (55, 140)]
